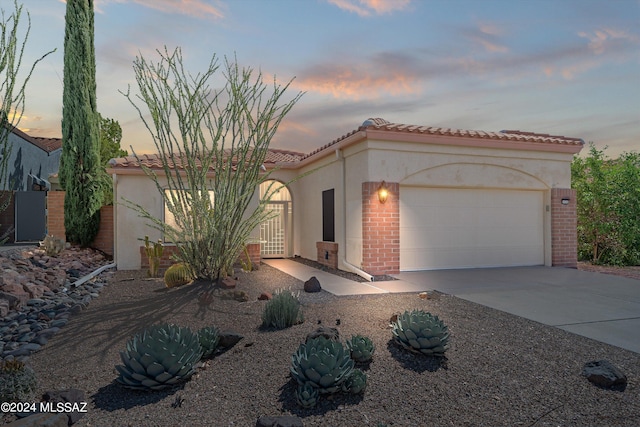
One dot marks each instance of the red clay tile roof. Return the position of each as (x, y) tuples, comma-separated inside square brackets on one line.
[(46, 144), (378, 124), (153, 161), (508, 135)]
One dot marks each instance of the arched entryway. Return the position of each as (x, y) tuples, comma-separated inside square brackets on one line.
[(275, 233)]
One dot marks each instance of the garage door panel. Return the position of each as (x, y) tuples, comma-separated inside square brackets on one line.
[(463, 228)]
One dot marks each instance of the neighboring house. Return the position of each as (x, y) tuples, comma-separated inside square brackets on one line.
[(391, 197), (31, 161)]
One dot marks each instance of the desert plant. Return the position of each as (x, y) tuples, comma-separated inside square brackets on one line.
[(52, 245), (282, 311), (226, 130), (177, 275), (159, 357), (361, 348), (154, 251), (17, 381), (323, 363), (307, 395), (208, 338), (421, 332), (355, 383)]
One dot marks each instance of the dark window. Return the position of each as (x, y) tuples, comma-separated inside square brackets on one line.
[(328, 216)]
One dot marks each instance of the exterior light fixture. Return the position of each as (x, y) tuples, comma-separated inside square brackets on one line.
[(383, 192), (565, 201)]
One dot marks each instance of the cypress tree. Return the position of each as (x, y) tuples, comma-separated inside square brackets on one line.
[(80, 161)]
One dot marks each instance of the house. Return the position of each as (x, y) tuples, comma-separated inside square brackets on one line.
[(391, 197), (31, 161)]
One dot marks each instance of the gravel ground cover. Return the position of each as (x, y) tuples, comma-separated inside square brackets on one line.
[(501, 370)]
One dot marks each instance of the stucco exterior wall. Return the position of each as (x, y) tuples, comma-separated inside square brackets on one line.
[(418, 163), (26, 159)]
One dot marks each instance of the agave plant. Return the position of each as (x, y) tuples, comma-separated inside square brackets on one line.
[(208, 338), (323, 363), (159, 357), (307, 395), (421, 332), (356, 383), (361, 348)]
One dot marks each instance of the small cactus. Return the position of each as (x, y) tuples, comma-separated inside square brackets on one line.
[(52, 245), (356, 383), (307, 395), (361, 348), (154, 251), (208, 337), (17, 381), (177, 275)]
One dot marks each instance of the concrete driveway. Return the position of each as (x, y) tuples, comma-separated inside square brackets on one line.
[(598, 306)]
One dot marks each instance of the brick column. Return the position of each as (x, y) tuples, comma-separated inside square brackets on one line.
[(564, 228), (380, 229), (55, 214), (327, 254)]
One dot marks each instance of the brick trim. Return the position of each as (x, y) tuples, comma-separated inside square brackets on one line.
[(380, 229), (564, 228), (327, 254)]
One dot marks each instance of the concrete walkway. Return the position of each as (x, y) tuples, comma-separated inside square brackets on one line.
[(603, 307)]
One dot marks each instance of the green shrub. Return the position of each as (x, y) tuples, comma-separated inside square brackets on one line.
[(159, 357), (355, 383), (323, 363), (361, 348), (17, 381), (209, 338), (421, 332), (282, 311)]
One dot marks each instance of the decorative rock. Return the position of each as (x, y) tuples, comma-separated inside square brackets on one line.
[(71, 395), (281, 421), (228, 283), (312, 285), (18, 292), (42, 419), (605, 375), (265, 296), (228, 339), (328, 333), (4, 307)]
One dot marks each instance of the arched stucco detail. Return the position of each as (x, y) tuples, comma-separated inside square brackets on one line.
[(475, 175)]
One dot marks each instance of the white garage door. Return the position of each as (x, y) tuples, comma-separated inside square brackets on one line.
[(459, 228)]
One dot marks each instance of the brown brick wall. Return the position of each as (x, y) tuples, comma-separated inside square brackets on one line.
[(167, 256), (7, 216), (55, 214), (327, 254), (380, 229), (55, 222), (564, 232), (165, 261), (255, 255)]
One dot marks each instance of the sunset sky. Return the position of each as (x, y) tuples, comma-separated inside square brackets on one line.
[(563, 67)]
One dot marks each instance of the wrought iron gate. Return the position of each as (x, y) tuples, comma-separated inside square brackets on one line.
[(31, 215), (272, 232)]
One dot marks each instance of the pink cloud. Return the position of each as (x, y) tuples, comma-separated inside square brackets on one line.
[(195, 8), (353, 83), (602, 39), (367, 7)]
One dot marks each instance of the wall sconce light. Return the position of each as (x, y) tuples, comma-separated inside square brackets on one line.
[(565, 201), (383, 192)]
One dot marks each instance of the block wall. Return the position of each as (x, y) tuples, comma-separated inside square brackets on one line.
[(55, 222)]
